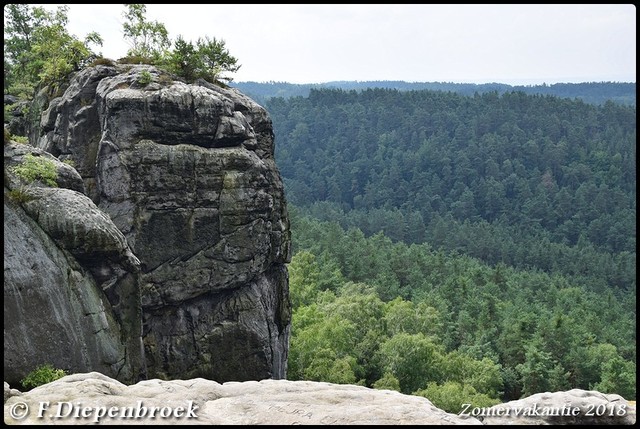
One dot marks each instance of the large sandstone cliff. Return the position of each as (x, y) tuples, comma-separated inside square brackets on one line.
[(186, 173)]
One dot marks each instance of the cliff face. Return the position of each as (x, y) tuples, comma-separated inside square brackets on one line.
[(59, 249), (186, 173)]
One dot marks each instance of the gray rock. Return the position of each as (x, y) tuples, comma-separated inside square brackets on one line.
[(9, 392), (10, 99), (14, 154), (69, 128), (575, 407), (18, 123), (71, 296), (200, 401), (54, 312), (186, 173), (77, 225)]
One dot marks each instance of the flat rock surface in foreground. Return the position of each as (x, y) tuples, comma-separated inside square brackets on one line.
[(95, 398), (200, 401)]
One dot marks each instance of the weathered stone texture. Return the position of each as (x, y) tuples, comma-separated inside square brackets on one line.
[(186, 173), (268, 402)]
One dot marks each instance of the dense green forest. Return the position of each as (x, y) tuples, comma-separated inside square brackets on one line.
[(531, 181), (447, 326), (590, 92), (496, 224)]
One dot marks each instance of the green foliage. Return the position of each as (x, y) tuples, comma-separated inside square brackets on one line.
[(37, 168), (451, 395), (328, 367), (42, 375), (483, 375), (208, 60), (101, 61), (540, 372), (618, 376), (303, 279), (7, 136), (39, 50), (183, 60), (522, 180), (500, 331), (413, 359), (20, 139), (405, 316), (147, 39), (8, 112), (145, 77), (136, 59), (20, 195), (329, 333), (589, 92), (388, 381)]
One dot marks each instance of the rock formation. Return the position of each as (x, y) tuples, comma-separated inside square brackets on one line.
[(186, 173), (277, 402), (573, 407), (200, 401), (60, 254)]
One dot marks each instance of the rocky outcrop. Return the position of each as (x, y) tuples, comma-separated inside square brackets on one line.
[(199, 401), (187, 174), (61, 254), (573, 407), (93, 398), (9, 392)]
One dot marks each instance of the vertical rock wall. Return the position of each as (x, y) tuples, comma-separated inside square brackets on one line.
[(187, 174)]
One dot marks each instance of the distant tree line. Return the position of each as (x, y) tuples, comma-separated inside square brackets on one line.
[(589, 92)]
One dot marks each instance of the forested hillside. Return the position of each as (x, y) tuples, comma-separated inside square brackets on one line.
[(497, 225), (531, 181), (447, 326), (590, 92)]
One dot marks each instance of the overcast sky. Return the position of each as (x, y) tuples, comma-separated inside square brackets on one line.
[(315, 43)]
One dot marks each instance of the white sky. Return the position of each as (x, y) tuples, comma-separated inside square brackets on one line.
[(314, 43)]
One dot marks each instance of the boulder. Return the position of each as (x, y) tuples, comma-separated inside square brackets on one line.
[(574, 407)]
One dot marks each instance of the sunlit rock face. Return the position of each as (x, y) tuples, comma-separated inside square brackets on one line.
[(186, 172)]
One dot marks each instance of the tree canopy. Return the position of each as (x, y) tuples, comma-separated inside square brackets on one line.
[(39, 51)]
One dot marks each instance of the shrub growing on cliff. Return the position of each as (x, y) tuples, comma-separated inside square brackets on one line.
[(145, 78), (35, 168), (208, 59), (148, 39), (42, 375), (21, 139)]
